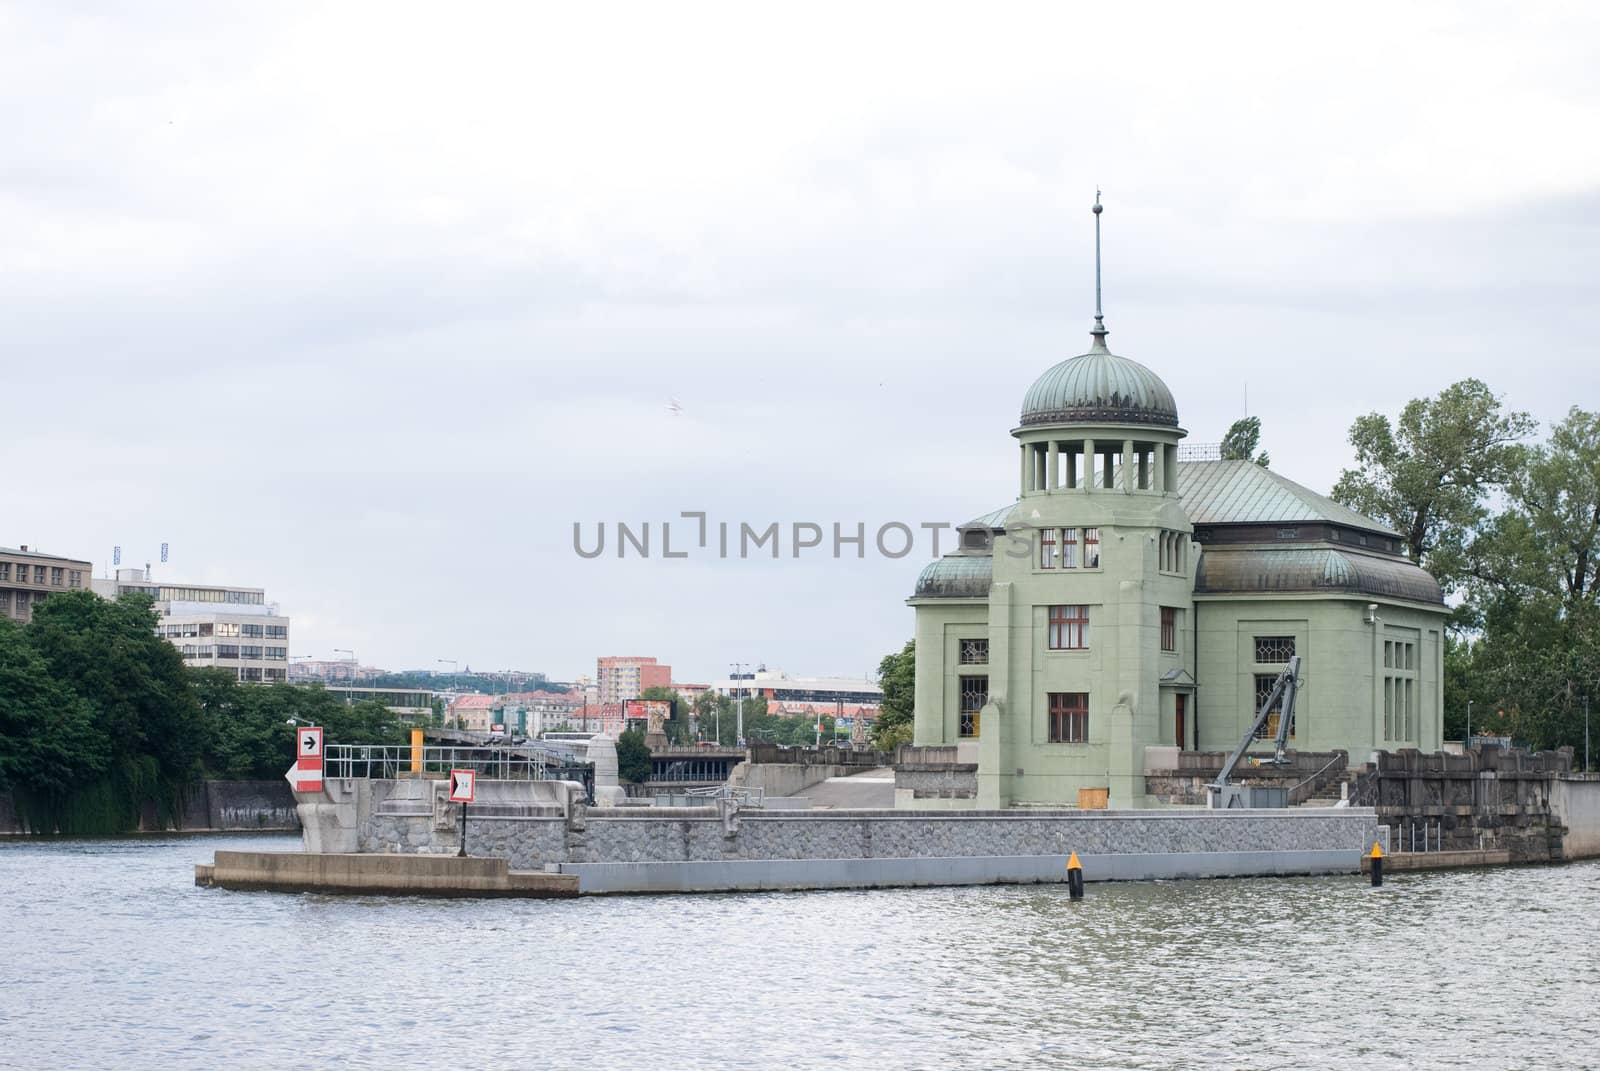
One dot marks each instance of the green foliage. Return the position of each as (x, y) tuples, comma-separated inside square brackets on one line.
[(1533, 595), (897, 676), (101, 723), (633, 757), (116, 713), (1427, 475), (1241, 441), (48, 737)]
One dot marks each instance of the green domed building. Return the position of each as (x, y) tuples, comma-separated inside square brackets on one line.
[(1129, 605)]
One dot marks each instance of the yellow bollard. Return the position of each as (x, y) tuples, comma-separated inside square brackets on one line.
[(416, 750)]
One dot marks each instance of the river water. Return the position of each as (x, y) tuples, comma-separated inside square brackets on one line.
[(114, 959)]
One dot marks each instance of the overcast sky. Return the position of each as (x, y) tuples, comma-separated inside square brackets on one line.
[(367, 305)]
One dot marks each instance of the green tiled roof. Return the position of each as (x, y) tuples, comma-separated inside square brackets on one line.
[(1285, 570), (956, 576), (1241, 492)]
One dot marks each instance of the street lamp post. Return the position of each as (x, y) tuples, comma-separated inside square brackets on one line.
[(349, 696), (1469, 723), (738, 705)]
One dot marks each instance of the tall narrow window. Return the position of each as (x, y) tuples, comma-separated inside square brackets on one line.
[(1091, 548), (1269, 729), (974, 694), (1069, 628), (1069, 548), (1169, 628), (1047, 548), (1069, 717)]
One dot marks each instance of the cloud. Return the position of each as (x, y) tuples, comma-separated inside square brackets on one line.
[(366, 305)]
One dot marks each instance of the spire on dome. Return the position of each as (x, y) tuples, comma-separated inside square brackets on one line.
[(1099, 332)]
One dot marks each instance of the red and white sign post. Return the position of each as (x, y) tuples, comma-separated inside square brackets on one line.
[(306, 773), (463, 785)]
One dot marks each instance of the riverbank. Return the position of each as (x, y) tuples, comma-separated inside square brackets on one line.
[(207, 807)]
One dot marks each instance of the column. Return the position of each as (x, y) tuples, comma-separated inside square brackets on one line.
[(1025, 451), (1127, 465), (1052, 471), (1158, 469), (1088, 464)]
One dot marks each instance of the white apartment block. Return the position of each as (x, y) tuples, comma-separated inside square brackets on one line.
[(213, 626)]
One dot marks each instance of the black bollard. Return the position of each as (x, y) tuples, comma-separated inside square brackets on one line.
[(1074, 877), (1377, 865)]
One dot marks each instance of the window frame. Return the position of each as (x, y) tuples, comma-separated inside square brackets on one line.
[(1062, 627), (1169, 630), (1067, 717), (972, 695)]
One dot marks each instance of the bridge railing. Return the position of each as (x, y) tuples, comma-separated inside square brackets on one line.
[(402, 760)]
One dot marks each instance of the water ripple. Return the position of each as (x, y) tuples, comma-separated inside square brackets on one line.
[(114, 959)]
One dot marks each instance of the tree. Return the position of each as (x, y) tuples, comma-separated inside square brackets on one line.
[(1535, 590), (48, 739), (897, 676), (135, 684), (1241, 441), (1546, 544), (633, 757), (1427, 475)]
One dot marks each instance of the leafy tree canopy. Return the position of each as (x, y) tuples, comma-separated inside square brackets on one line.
[(1241, 441), (897, 676), (1427, 474)]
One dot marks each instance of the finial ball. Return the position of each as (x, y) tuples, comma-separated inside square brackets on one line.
[(1098, 208)]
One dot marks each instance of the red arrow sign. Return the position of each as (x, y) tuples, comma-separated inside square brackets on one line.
[(304, 780), (462, 784)]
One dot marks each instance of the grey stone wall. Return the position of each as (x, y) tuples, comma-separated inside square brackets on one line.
[(938, 780), (612, 836), (208, 805), (1487, 798)]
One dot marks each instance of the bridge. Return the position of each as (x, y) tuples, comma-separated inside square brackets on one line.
[(682, 766)]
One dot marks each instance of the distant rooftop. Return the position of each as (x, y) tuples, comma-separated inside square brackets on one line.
[(24, 552)]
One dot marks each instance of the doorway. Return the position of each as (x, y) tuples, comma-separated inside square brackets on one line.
[(1180, 711)]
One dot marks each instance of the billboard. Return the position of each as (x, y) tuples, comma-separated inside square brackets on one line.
[(654, 713)]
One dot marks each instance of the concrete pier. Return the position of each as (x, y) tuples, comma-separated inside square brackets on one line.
[(386, 874)]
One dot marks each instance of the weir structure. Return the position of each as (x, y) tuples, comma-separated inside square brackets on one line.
[(369, 826)]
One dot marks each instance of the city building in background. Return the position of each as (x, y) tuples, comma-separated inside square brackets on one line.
[(621, 678), (26, 576), (690, 692), (331, 670), (780, 688), (413, 704), (474, 713), (212, 625)]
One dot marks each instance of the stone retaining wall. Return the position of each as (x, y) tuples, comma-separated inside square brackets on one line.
[(724, 834)]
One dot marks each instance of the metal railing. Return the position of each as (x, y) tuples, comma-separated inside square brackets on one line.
[(1430, 834), (744, 797), (402, 760)]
